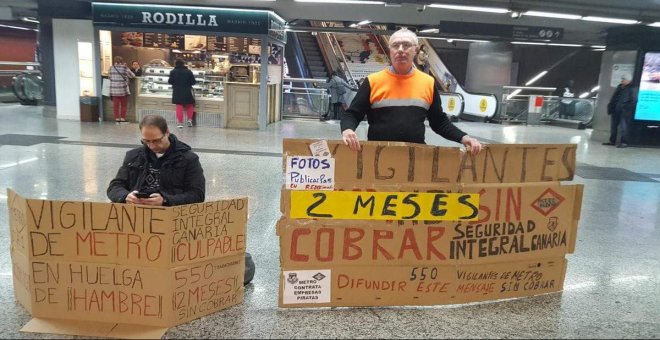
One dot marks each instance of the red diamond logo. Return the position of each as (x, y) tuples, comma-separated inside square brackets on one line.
[(547, 202)]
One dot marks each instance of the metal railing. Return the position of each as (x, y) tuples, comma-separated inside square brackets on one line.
[(515, 108), (300, 101), (514, 105)]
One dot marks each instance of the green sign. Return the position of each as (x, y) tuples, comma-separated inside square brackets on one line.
[(186, 18)]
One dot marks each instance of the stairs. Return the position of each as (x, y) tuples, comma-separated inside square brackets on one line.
[(313, 56)]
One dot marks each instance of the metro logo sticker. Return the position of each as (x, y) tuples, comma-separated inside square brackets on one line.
[(547, 202)]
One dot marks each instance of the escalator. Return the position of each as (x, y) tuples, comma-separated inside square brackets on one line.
[(302, 98), (475, 106)]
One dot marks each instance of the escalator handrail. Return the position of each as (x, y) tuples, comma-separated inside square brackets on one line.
[(339, 54)]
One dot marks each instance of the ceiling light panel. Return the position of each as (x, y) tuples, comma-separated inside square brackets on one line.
[(354, 2), (471, 8), (611, 20), (553, 15)]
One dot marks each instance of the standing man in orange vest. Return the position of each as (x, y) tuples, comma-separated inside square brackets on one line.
[(398, 100)]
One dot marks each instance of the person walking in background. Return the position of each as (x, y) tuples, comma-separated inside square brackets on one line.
[(119, 75), (620, 108), (136, 69), (423, 59), (182, 80), (566, 103), (337, 89)]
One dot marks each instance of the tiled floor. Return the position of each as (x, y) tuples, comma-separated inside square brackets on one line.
[(612, 288)]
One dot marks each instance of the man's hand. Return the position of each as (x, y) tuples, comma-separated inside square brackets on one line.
[(131, 198), (471, 144), (351, 139), (155, 199)]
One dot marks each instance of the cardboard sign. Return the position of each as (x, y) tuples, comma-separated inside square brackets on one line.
[(515, 223), (127, 264), (351, 205), (399, 163), (435, 285), (363, 233), (310, 173)]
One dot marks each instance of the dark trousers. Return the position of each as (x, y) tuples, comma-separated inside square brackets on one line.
[(336, 108), (619, 127)]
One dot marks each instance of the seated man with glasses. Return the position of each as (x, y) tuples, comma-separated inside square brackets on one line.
[(398, 100), (164, 171)]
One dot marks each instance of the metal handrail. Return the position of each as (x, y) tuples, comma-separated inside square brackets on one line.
[(306, 89), (535, 88), (15, 72), (20, 63), (305, 80)]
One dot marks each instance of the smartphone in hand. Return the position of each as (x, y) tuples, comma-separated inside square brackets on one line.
[(142, 194)]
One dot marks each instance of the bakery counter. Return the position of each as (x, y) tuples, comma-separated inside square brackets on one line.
[(209, 112)]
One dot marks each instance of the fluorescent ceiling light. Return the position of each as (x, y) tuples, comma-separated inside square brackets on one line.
[(471, 8), (655, 24), (364, 22), (567, 45), (430, 30), (538, 76), (611, 20), (598, 46), (527, 43), (355, 2), (513, 94), (595, 89), (584, 95), (553, 15), (29, 19)]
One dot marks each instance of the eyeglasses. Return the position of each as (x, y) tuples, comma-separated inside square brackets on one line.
[(404, 45), (155, 141)]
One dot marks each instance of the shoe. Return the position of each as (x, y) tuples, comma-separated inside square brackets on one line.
[(622, 145), (249, 269), (117, 121), (323, 118), (608, 143), (190, 123), (180, 125), (122, 119)]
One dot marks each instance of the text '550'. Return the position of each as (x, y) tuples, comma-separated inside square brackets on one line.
[(353, 205)]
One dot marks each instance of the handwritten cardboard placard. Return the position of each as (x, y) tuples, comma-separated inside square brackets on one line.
[(509, 228), (351, 205), (524, 223), (126, 264), (426, 285), (399, 163)]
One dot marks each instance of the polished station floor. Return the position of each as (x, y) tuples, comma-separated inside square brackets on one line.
[(612, 287)]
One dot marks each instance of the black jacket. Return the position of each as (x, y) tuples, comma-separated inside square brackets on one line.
[(181, 176), (182, 80), (623, 101)]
